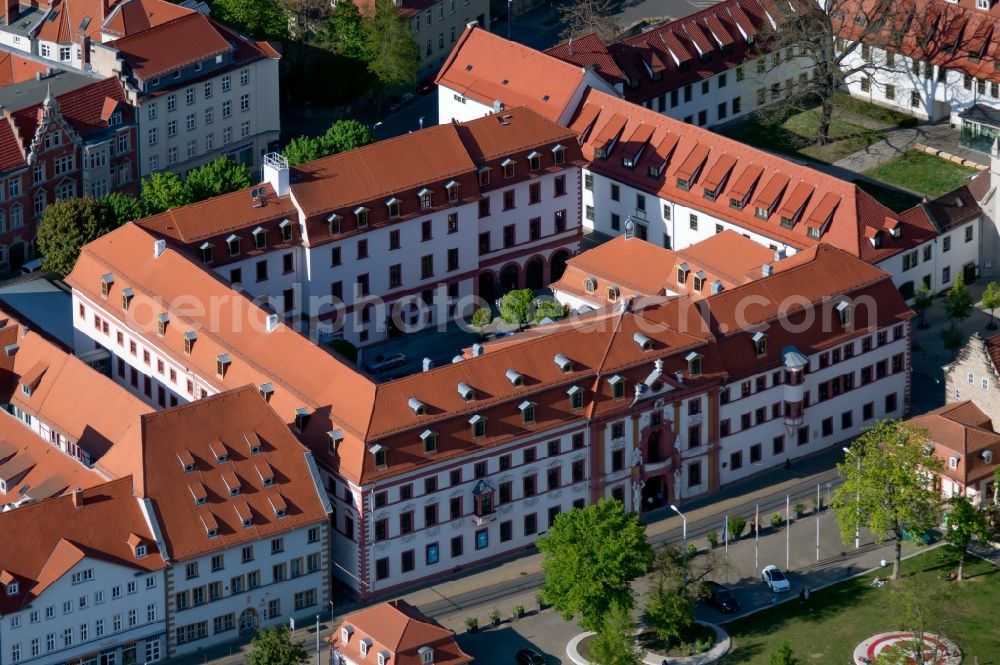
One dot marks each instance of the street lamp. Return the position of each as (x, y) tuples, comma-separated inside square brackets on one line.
[(319, 658), (857, 504), (684, 527), (421, 121), (508, 18)]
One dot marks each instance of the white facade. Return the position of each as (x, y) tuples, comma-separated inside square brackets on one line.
[(231, 592), (434, 521), (97, 613), (937, 262)]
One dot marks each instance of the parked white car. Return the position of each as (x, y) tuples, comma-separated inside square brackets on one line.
[(775, 579)]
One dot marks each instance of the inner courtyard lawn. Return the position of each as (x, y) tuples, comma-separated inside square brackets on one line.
[(837, 618), (923, 173)]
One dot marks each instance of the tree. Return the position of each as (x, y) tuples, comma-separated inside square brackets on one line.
[(344, 135), (964, 523), (262, 19), (164, 190), (583, 17), (274, 646), (957, 302), (783, 655), (549, 309), (615, 643), (68, 225), (887, 485), (303, 149), (674, 590), (218, 177), (123, 207), (345, 31), (391, 52), (307, 15), (921, 606), (482, 317), (922, 301), (591, 557), (996, 486), (836, 41), (515, 306), (991, 301)]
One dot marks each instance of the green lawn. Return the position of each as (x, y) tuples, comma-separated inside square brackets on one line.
[(796, 136), (922, 173), (839, 617)]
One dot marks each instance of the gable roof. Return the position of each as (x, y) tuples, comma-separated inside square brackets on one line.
[(488, 68), (244, 464), (132, 16), (961, 430), (170, 46), (402, 630), (838, 210), (93, 418), (52, 535)]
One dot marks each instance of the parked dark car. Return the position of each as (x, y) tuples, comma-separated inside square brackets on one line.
[(397, 104), (530, 657), (720, 597), (382, 362)]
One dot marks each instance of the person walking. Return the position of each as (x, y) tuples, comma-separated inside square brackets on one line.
[(802, 596)]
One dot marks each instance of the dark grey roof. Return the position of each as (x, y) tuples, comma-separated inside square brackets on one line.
[(983, 114)]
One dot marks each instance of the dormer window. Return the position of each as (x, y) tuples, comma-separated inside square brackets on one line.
[(206, 252), (425, 198), (301, 419), (617, 386), (334, 437), (232, 483), (682, 273), (378, 454), (590, 285), (430, 440), (508, 167), (762, 213), (736, 204), (233, 243), (534, 161), (683, 184), (383, 657), (694, 363), (278, 505), (266, 390), (364, 646), (418, 407), (699, 280), (759, 343), (13, 588), (187, 462), (222, 364), (613, 293), (452, 188), (843, 309), (345, 634), (286, 230), (189, 340), (106, 282), (527, 410), (219, 452), (334, 222), (140, 550), (198, 493), (393, 205), (564, 364), (266, 474), (515, 378), (260, 237), (361, 217), (484, 176), (426, 655), (575, 397), (127, 295), (558, 155), (478, 426), (983, 4), (466, 392), (642, 341), (161, 323)]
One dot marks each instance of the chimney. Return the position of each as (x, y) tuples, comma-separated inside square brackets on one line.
[(77, 497), (13, 7), (276, 173), (271, 323), (766, 270), (159, 246)]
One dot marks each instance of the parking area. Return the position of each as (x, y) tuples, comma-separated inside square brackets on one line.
[(440, 346)]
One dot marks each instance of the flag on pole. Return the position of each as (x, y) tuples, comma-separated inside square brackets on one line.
[(756, 519), (725, 528)]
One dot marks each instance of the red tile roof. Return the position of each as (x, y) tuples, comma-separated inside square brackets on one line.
[(761, 179), (962, 430), (400, 629), (85, 108), (487, 68), (220, 434), (132, 16), (15, 69), (178, 43), (673, 49), (54, 534)]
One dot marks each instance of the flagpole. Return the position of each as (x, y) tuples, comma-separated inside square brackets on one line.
[(756, 537), (818, 499), (725, 538), (788, 528)]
